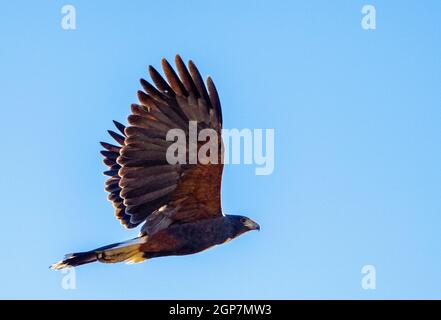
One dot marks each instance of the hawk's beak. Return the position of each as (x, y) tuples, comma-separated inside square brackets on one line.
[(250, 224)]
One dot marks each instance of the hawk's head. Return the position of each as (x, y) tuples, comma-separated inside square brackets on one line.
[(242, 224)]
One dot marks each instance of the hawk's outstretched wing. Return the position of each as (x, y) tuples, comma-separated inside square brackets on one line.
[(143, 185)]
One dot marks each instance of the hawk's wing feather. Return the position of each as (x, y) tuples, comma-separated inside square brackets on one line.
[(143, 186), (111, 153)]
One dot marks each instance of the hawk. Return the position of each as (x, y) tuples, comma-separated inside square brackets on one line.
[(178, 202)]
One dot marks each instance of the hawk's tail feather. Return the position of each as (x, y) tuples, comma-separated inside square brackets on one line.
[(76, 259), (128, 251)]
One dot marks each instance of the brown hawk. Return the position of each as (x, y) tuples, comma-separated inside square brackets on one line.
[(178, 203)]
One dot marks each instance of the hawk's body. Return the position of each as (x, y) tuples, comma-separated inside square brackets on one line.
[(179, 204)]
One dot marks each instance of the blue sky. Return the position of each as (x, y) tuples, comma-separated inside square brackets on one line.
[(357, 120)]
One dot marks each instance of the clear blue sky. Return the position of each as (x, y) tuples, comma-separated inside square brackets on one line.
[(357, 119)]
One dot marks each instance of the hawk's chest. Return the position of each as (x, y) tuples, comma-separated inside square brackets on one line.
[(196, 237)]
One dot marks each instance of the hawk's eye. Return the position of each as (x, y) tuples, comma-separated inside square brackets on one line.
[(243, 220)]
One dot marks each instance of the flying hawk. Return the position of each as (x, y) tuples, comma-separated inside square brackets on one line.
[(179, 204)]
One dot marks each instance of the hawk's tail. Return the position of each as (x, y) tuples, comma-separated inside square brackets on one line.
[(128, 251)]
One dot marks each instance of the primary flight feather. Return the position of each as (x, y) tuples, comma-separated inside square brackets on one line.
[(178, 204)]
